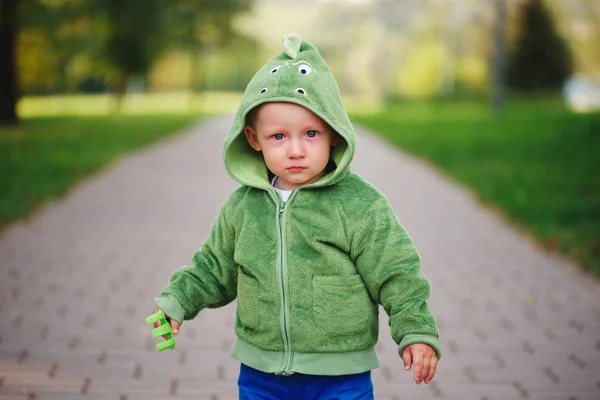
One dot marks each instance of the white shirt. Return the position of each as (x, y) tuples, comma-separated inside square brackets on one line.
[(284, 194)]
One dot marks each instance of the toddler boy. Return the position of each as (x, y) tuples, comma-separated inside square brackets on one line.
[(308, 248)]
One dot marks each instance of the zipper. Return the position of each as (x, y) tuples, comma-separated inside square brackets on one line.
[(284, 322)]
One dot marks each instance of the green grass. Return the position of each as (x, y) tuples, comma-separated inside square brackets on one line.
[(44, 157), (133, 103), (538, 162)]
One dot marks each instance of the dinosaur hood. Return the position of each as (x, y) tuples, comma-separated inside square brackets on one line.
[(297, 75)]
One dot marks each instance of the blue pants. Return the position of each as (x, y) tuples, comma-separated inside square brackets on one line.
[(254, 384)]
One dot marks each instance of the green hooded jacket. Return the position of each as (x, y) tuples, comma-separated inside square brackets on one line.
[(308, 274)]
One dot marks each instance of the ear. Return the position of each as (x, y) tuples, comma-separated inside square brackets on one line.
[(251, 137), (336, 139)]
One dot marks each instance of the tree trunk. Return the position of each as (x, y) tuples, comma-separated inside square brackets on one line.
[(194, 85), (8, 74), (499, 61), (118, 90)]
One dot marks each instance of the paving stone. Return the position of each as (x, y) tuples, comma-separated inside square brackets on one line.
[(78, 279)]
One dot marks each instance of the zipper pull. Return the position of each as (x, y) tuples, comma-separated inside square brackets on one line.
[(281, 208)]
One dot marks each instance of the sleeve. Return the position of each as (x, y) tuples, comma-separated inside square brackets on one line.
[(389, 264), (210, 281)]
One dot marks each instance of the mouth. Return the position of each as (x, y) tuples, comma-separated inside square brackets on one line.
[(296, 168)]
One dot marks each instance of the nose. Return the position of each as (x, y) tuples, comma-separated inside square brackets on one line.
[(295, 149)]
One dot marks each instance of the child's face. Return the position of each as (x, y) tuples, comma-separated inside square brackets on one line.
[(295, 142)]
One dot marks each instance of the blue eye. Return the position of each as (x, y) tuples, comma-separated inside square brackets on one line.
[(278, 136), (311, 133)]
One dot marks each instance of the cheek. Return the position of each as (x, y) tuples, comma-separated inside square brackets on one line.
[(272, 156), (324, 152)]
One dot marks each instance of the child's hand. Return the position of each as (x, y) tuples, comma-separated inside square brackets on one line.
[(174, 324), (424, 358)]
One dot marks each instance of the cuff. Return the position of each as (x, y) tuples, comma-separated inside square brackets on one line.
[(170, 306), (427, 339)]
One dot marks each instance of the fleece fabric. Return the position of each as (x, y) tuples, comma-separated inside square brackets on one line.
[(308, 274)]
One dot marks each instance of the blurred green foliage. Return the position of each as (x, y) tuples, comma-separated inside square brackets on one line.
[(42, 158), (135, 35), (538, 162), (97, 45), (430, 48)]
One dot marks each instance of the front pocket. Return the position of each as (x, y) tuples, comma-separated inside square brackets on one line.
[(342, 305), (247, 301)]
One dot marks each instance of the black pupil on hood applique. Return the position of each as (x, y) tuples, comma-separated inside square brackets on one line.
[(301, 91), (263, 90), (275, 69), (304, 69)]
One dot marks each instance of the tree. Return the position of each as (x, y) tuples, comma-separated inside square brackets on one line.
[(8, 74), (135, 38), (541, 59), (139, 34), (499, 59), (199, 26), (52, 36), (52, 21)]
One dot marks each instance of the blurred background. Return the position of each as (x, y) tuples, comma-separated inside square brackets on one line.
[(501, 94)]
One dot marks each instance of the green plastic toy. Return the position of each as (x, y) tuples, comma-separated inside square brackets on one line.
[(164, 329)]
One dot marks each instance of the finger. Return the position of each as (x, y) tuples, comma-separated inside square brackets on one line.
[(407, 358), (425, 370), (432, 369), (175, 326), (418, 361)]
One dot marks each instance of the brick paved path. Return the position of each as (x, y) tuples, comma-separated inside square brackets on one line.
[(77, 279)]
